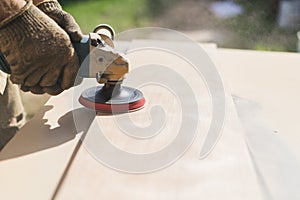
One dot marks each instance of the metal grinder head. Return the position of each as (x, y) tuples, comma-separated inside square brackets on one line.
[(112, 67)]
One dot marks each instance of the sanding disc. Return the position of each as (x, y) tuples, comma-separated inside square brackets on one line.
[(117, 99)]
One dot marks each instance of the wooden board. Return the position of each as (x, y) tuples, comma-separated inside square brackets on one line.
[(265, 87), (226, 174), (271, 79), (34, 161)]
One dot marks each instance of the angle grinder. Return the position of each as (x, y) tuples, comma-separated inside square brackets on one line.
[(99, 59)]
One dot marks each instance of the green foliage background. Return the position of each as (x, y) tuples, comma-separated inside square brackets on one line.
[(256, 28), (119, 14)]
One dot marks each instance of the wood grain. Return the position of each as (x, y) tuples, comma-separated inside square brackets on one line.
[(226, 174), (34, 161)]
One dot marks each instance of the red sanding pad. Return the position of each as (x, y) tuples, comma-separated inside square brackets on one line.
[(116, 100)]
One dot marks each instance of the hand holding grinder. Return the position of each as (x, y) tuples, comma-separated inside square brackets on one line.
[(99, 59)]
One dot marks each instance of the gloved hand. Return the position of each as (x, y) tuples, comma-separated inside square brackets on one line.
[(40, 53), (54, 10)]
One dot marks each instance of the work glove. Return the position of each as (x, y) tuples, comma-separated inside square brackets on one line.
[(39, 51), (54, 10)]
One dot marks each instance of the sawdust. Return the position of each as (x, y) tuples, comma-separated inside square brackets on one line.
[(194, 18)]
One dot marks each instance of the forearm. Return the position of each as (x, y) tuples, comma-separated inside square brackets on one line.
[(10, 8)]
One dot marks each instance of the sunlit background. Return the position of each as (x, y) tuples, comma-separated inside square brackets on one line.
[(246, 24)]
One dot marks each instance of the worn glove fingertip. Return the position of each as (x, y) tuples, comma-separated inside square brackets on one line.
[(24, 88), (75, 36), (50, 78), (35, 77), (35, 89), (17, 79), (69, 73), (53, 90)]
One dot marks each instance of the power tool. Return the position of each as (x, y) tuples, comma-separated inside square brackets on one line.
[(99, 59)]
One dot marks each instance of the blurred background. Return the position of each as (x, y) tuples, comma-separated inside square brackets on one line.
[(269, 25), (246, 24)]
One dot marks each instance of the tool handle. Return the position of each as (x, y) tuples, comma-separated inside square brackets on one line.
[(102, 27), (82, 49)]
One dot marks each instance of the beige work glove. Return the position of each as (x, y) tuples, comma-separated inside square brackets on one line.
[(54, 10), (40, 53), (66, 21)]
